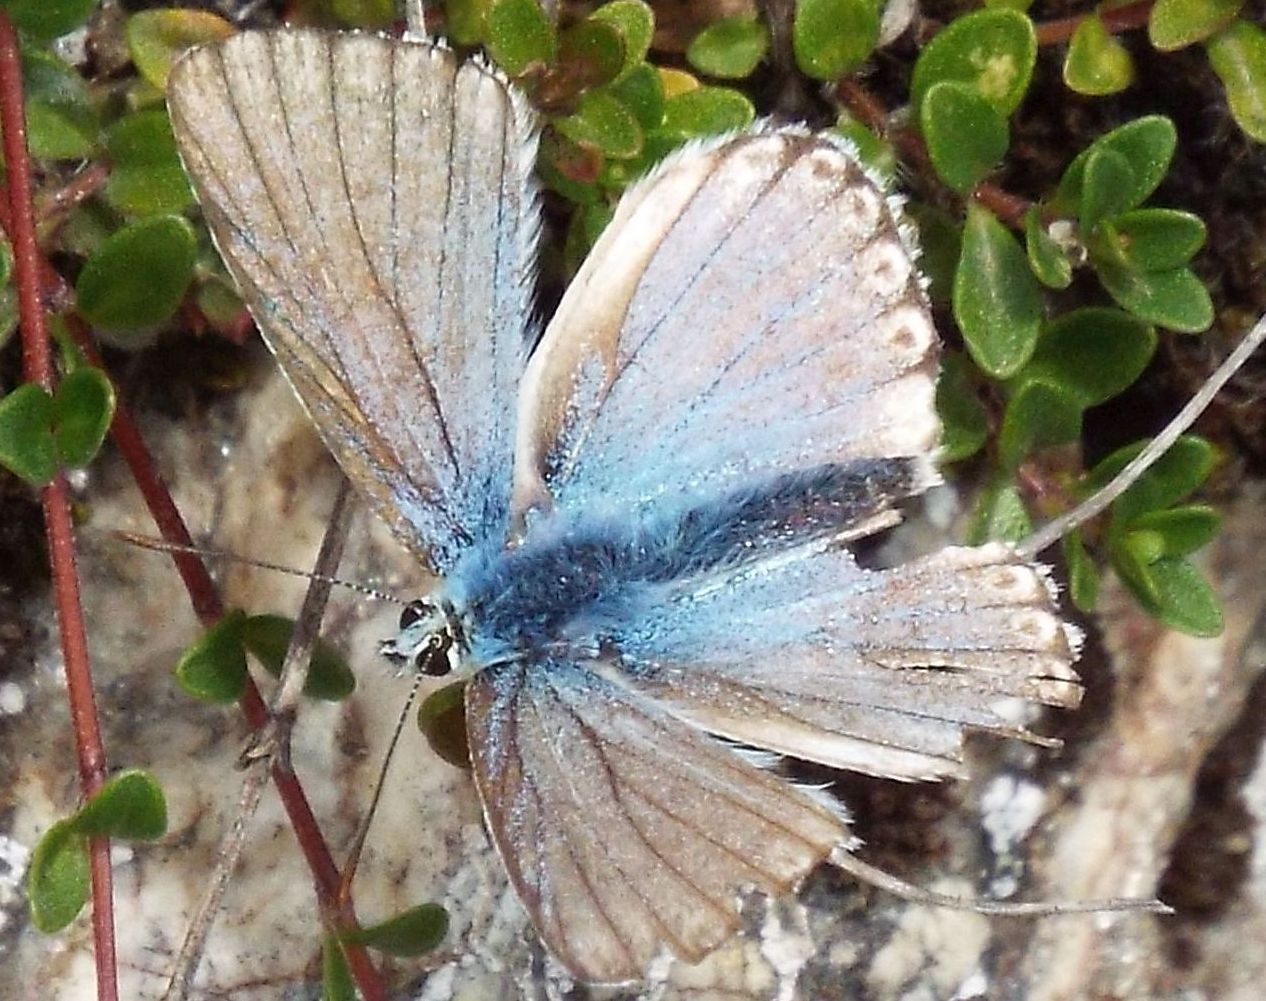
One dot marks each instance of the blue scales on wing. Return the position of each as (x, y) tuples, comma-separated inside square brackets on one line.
[(373, 199)]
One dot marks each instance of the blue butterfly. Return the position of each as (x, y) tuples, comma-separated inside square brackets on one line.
[(638, 523)]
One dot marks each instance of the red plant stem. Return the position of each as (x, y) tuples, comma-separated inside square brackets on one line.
[(37, 364), (1115, 19)]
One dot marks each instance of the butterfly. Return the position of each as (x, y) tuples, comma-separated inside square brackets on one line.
[(638, 516)]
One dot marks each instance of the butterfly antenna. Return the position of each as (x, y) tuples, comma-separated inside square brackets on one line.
[(1055, 530), (163, 546), (358, 843), (867, 873)]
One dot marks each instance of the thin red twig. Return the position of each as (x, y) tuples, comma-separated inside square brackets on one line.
[(37, 363)]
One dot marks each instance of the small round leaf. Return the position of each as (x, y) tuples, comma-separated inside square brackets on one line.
[(994, 50), (83, 408), (61, 120), (138, 276), (213, 669), (1238, 56), (45, 20), (1000, 514), (413, 932), (997, 302), (1175, 593), (520, 35), (442, 720), (706, 111), (27, 446), (1039, 414), (1147, 144), (1182, 530), (1097, 63), (1173, 24), (146, 176), (268, 638), (1156, 239), (1083, 574), (603, 123), (1172, 478), (157, 38), (57, 880), (730, 48), (636, 23), (1175, 299), (130, 806), (965, 136), (1109, 181), (1092, 353), (831, 38), (964, 424)]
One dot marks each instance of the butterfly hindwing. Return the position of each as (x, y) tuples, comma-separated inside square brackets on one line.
[(625, 830), (372, 198)]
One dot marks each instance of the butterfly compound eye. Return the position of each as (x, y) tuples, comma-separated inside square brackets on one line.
[(413, 613)]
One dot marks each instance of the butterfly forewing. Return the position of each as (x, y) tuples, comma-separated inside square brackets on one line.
[(751, 309), (624, 831), (372, 197)]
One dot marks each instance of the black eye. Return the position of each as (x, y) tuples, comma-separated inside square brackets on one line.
[(413, 612), (433, 659)]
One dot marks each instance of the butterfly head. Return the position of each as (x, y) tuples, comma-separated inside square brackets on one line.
[(431, 639)]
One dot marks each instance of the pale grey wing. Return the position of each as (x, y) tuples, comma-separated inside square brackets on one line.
[(625, 831), (372, 197), (875, 671), (751, 310)]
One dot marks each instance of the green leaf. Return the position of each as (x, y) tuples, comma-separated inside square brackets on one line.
[(1175, 299), (45, 20), (442, 720), (1000, 514), (213, 669), (138, 276), (157, 38), (1097, 63), (363, 13), (146, 176), (590, 54), (730, 48), (1092, 353), (997, 302), (1147, 144), (27, 446), (1181, 530), (130, 807), (57, 880), (1172, 478), (872, 150), (336, 976), (520, 35), (942, 242), (706, 111), (1175, 593), (641, 91), (413, 932), (1238, 57), (268, 638), (964, 426), (1046, 257), (636, 23), (61, 122), (1155, 239), (1038, 415), (1083, 575), (603, 123), (1173, 24), (466, 21), (831, 38), (965, 136), (1109, 181), (994, 50), (83, 408)]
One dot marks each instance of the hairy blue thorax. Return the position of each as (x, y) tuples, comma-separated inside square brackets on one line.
[(578, 572)]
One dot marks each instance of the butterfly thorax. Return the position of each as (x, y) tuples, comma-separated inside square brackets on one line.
[(575, 579)]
